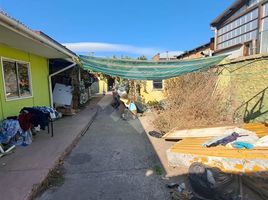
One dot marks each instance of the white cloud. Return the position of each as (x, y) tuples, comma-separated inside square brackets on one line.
[(88, 47)]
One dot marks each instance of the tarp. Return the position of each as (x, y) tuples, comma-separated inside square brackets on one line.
[(147, 70)]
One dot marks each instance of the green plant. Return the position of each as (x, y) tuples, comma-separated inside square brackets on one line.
[(158, 170), (153, 103)]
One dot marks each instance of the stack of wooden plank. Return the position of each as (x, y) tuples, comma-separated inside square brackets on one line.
[(190, 149)]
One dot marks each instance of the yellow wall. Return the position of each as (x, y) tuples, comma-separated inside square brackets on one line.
[(103, 85), (39, 76), (244, 85), (147, 92), (150, 94)]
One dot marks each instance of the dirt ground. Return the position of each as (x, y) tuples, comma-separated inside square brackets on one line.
[(178, 174), (160, 146)]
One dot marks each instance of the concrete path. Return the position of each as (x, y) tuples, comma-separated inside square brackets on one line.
[(113, 161), (22, 172)]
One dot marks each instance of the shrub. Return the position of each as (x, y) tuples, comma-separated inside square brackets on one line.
[(191, 102)]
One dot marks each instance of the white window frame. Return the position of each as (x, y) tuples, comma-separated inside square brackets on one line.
[(29, 75)]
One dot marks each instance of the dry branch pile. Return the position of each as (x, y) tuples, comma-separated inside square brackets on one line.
[(192, 102)]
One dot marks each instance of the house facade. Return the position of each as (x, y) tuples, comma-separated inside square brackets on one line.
[(168, 55), (154, 90), (242, 29), (24, 66)]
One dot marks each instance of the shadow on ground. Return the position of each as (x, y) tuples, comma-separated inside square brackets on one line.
[(113, 160), (116, 159)]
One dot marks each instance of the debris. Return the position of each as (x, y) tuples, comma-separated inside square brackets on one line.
[(222, 141), (194, 133), (141, 108), (262, 142), (66, 111), (181, 187), (258, 184), (212, 183), (172, 185), (4, 152), (176, 195), (179, 191), (155, 134), (127, 115), (132, 107), (242, 145), (234, 135)]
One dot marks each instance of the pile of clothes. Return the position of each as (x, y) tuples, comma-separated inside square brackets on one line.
[(238, 138), (37, 117), (17, 130), (12, 134)]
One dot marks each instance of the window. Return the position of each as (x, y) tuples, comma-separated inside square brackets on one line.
[(252, 2), (16, 77), (265, 24), (231, 34), (158, 84), (255, 14), (264, 32), (264, 35), (265, 10)]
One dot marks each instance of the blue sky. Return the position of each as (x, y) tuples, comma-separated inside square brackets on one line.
[(121, 27)]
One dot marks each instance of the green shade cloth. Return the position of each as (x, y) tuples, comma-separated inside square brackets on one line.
[(147, 70)]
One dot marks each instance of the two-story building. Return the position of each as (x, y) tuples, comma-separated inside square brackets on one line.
[(242, 29)]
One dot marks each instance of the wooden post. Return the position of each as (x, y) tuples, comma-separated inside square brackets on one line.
[(254, 46)]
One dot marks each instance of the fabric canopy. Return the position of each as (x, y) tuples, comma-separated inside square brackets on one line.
[(147, 70)]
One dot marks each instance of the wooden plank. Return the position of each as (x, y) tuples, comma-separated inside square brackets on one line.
[(192, 145), (196, 133), (190, 150)]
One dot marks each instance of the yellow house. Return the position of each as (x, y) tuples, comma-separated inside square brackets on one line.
[(150, 90), (103, 85), (24, 66), (153, 90)]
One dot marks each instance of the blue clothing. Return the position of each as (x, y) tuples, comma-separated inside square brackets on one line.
[(223, 140), (11, 133), (45, 109), (132, 106), (11, 127), (242, 145)]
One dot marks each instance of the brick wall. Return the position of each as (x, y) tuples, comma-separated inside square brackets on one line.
[(195, 54)]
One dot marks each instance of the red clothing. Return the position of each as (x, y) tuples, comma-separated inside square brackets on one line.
[(25, 121)]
